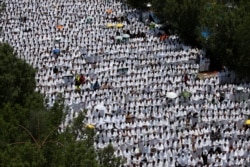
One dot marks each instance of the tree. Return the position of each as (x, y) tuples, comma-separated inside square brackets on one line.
[(30, 134), (137, 4), (228, 40), (242, 42), (182, 16), (107, 158), (16, 79), (220, 22)]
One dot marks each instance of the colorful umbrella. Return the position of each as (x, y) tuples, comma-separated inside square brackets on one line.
[(152, 25), (119, 25), (205, 34), (149, 5), (247, 122), (239, 88), (186, 94), (118, 37), (108, 11), (56, 51), (89, 19), (59, 27), (90, 126), (100, 107), (57, 39), (171, 95), (126, 36), (109, 25)]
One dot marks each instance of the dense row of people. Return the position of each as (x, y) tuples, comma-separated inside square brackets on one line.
[(100, 57)]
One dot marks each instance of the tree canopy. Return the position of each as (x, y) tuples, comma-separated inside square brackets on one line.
[(228, 40), (225, 23), (30, 134)]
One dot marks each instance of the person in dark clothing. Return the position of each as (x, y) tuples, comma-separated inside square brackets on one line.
[(55, 70), (96, 86), (82, 79), (185, 78), (204, 157)]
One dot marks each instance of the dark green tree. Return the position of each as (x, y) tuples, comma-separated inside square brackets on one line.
[(228, 40), (226, 21), (242, 41), (30, 133), (16, 79), (138, 4), (107, 158), (181, 16)]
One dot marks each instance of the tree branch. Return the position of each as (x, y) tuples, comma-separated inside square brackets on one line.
[(16, 143), (30, 135), (44, 141), (57, 142)]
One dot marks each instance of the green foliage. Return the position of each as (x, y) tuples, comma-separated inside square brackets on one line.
[(138, 4), (221, 24), (29, 132), (16, 79), (226, 21), (107, 158), (25, 155), (229, 39), (183, 16), (242, 43)]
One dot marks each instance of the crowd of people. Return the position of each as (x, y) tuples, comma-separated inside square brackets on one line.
[(101, 58)]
